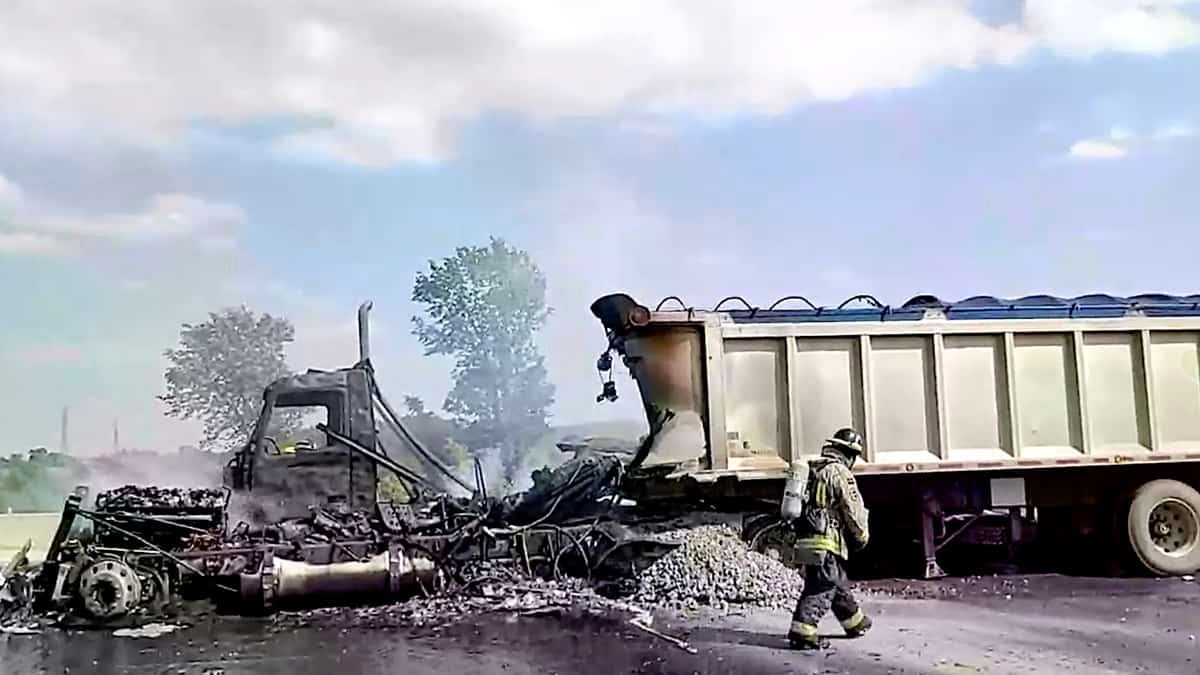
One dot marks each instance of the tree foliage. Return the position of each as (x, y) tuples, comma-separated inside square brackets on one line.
[(484, 306), (440, 435), (437, 434), (37, 481), (219, 370)]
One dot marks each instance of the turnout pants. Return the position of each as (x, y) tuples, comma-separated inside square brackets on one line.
[(825, 587)]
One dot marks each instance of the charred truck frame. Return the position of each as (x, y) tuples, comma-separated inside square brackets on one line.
[(306, 528)]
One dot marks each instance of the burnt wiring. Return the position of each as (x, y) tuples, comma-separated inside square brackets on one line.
[(394, 419)]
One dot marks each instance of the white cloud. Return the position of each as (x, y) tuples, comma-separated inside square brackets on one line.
[(1097, 149), (1175, 131), (11, 195), (218, 242), (1121, 134), (164, 216), (43, 228), (649, 129), (1084, 28), (391, 82), (30, 243), (405, 137), (1121, 140)]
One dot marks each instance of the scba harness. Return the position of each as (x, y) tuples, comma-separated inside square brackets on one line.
[(817, 526)]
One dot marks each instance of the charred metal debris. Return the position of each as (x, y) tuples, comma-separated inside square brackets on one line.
[(305, 528), (144, 553)]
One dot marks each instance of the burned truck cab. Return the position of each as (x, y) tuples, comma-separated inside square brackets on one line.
[(281, 476)]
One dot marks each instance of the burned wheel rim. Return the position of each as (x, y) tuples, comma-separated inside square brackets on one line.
[(109, 589), (778, 542), (768, 541), (1174, 527)]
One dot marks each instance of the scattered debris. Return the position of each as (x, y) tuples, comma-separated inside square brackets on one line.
[(491, 589), (682, 644), (150, 630), (16, 593)]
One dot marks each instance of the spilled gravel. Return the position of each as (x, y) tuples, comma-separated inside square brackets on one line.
[(714, 568)]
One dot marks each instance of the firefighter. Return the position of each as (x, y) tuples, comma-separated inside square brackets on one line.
[(834, 519)]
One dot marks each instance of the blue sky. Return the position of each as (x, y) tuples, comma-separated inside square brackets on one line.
[(155, 166)]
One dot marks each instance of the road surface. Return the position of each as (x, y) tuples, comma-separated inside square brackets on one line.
[(1039, 624)]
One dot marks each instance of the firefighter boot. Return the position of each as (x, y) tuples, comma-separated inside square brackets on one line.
[(804, 636), (807, 644), (857, 626)]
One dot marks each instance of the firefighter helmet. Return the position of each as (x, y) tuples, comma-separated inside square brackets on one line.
[(847, 440)]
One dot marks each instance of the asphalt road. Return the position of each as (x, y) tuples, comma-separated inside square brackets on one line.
[(1041, 624)]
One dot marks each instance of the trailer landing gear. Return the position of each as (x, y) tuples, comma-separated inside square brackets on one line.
[(930, 509)]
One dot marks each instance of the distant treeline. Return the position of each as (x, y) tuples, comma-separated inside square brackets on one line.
[(30, 482)]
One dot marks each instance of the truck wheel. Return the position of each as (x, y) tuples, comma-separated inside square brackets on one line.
[(1164, 527), (753, 524)]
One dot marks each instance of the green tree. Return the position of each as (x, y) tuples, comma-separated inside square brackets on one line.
[(220, 368), (484, 306), (439, 435)]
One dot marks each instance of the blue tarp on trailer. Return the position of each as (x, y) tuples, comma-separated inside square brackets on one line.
[(1094, 306)]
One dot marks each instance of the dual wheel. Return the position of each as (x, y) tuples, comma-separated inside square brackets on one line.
[(1163, 526)]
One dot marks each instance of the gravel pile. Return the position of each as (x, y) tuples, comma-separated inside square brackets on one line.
[(715, 568)]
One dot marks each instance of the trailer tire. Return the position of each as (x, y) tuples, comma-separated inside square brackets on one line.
[(1164, 527)]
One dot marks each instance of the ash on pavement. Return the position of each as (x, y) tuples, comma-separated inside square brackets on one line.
[(998, 625)]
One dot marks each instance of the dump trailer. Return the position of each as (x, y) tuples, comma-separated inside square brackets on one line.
[(1059, 416)]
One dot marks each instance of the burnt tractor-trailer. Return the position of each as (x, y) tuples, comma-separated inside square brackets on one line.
[(986, 421)]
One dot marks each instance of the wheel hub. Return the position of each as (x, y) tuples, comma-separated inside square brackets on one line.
[(109, 589), (1174, 527)]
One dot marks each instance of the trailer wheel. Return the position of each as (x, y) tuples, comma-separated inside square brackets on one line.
[(1164, 527)]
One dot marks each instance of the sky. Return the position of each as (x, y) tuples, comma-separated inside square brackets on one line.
[(160, 160)]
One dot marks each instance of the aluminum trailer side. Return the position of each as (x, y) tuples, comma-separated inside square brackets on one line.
[(1087, 409)]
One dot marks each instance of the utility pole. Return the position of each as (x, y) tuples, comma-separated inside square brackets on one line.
[(63, 446), (116, 436)]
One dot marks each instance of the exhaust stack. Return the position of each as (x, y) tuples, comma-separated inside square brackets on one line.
[(364, 332)]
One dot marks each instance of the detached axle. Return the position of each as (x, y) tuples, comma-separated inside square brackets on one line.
[(391, 575)]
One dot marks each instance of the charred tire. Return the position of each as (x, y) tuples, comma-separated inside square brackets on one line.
[(1163, 526), (754, 524)]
